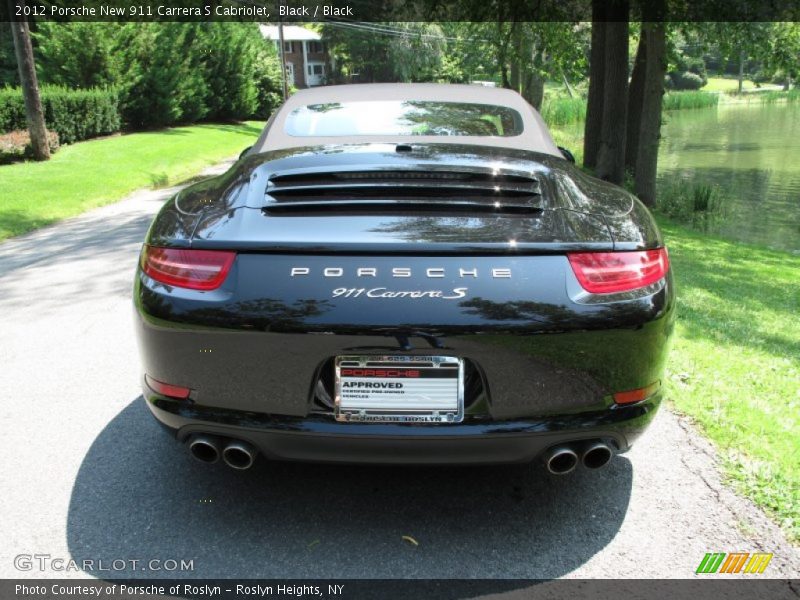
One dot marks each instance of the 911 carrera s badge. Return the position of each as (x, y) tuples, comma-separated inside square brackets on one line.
[(399, 389), (382, 292)]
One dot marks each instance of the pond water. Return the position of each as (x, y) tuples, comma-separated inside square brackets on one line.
[(752, 153)]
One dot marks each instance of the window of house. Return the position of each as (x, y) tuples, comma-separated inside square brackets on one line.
[(287, 47), (315, 47)]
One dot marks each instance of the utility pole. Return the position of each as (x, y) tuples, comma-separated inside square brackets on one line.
[(283, 60), (30, 85)]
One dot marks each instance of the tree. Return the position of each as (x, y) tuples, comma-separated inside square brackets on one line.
[(392, 51), (78, 55), (469, 52), (635, 100), (650, 120), (783, 51), (30, 86), (611, 154), (736, 41), (362, 54), (417, 55), (228, 55), (162, 84), (268, 81), (544, 51), (166, 72), (594, 105), (9, 73)]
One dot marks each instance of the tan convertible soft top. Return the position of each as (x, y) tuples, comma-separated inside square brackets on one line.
[(535, 135)]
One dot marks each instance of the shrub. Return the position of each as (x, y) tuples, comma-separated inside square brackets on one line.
[(160, 87), (165, 73), (268, 82), (761, 76), (186, 72), (686, 80), (563, 111), (78, 54), (74, 114), (680, 100), (16, 145), (698, 204), (230, 67), (773, 96), (693, 64)]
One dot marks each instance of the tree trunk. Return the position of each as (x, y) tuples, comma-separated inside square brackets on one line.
[(635, 99), (504, 76), (741, 70), (533, 89), (594, 105), (570, 91), (650, 126), (611, 155), (30, 85), (516, 63)]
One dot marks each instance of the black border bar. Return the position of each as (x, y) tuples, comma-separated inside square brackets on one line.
[(365, 11), (712, 587)]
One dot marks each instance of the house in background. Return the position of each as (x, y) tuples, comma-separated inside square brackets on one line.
[(307, 60)]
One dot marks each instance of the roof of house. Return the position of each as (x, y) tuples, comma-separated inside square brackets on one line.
[(291, 33)]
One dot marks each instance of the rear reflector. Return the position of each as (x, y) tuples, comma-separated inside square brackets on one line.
[(636, 395), (613, 272), (186, 268), (167, 389)]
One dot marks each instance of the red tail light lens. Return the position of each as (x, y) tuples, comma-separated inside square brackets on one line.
[(186, 268), (167, 389), (637, 395), (609, 272)]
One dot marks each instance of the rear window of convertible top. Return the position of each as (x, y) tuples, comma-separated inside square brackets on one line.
[(403, 117)]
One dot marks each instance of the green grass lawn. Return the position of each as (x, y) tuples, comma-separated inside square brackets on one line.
[(96, 172), (727, 85), (734, 367), (735, 362)]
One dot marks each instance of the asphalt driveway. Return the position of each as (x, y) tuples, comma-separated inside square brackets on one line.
[(87, 473)]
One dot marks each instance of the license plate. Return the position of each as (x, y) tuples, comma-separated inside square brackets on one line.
[(399, 389)]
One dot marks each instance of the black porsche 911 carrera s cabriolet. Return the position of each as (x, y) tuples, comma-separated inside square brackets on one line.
[(404, 273)]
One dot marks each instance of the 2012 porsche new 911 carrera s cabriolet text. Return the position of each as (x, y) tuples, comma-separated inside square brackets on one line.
[(404, 274)]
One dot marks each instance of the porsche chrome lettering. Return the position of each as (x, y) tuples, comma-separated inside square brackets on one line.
[(430, 272)]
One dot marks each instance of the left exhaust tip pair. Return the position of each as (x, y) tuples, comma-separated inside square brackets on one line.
[(237, 454)]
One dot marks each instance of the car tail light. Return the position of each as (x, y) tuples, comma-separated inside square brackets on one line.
[(610, 272), (167, 389), (637, 395), (187, 268)]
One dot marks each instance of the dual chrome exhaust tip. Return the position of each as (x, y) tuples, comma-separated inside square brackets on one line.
[(563, 459), (237, 454)]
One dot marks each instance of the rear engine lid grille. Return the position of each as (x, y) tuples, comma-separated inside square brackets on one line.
[(431, 190)]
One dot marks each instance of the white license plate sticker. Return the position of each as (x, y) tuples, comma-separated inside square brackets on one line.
[(399, 389)]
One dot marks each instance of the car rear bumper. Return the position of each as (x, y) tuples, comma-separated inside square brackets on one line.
[(536, 372), (318, 438)]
